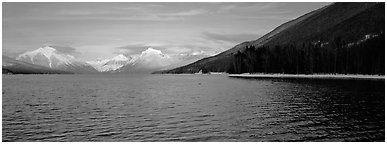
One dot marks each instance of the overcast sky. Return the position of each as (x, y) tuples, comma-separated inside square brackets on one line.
[(103, 30)]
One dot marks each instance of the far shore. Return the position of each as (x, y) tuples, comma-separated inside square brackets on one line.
[(311, 76)]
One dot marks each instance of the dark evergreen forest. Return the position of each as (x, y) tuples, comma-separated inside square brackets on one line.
[(365, 56)]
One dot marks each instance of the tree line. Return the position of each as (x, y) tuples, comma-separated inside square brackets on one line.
[(334, 57)]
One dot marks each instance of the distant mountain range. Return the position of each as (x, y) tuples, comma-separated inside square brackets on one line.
[(148, 61), (47, 60), (110, 65), (12, 66), (350, 22)]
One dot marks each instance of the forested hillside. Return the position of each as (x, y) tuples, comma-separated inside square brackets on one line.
[(365, 56), (338, 38)]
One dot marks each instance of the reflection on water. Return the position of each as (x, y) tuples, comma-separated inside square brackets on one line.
[(189, 108)]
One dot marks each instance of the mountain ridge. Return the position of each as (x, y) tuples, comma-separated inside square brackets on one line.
[(109, 65), (12, 66), (307, 28), (147, 61), (49, 57)]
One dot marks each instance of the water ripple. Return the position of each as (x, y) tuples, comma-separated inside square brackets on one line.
[(169, 108)]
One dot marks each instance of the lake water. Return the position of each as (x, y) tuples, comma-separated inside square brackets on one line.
[(189, 108)]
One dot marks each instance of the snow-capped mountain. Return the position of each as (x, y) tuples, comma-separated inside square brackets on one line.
[(13, 66), (49, 57), (148, 61), (109, 65)]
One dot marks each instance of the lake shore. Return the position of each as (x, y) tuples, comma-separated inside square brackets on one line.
[(312, 76)]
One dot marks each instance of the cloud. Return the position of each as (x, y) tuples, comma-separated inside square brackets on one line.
[(81, 13), (247, 6), (65, 49), (185, 13), (130, 49), (170, 47), (233, 38), (108, 12), (139, 7), (149, 17), (137, 48), (177, 49), (226, 8), (10, 53)]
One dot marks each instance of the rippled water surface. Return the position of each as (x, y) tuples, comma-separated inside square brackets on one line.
[(189, 108)]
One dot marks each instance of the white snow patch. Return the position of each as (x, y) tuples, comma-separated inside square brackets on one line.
[(110, 64)]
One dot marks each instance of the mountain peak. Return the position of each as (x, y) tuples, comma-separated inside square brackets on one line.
[(49, 57), (151, 50), (108, 65), (120, 57), (46, 49)]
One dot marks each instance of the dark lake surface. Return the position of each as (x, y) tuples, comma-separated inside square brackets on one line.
[(189, 108)]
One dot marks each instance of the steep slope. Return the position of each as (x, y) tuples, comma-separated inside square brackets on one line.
[(321, 25), (110, 65), (49, 57), (267, 37), (184, 59), (12, 66), (349, 21)]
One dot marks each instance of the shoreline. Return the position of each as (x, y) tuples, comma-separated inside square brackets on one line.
[(312, 76)]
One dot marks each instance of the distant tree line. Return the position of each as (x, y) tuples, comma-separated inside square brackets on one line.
[(335, 56)]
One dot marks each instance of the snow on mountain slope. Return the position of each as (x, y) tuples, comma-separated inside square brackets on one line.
[(152, 58), (13, 66), (49, 57), (108, 65), (149, 60)]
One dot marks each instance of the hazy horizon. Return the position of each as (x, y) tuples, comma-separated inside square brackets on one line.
[(103, 30)]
